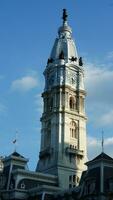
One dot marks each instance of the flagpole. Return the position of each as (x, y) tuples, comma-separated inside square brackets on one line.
[(15, 141), (102, 141)]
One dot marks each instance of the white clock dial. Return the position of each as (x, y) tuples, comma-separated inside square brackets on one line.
[(71, 78)]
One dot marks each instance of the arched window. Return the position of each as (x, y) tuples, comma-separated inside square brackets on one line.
[(72, 103), (73, 130)]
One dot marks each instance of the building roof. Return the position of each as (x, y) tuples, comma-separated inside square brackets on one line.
[(16, 154), (103, 156), (100, 157)]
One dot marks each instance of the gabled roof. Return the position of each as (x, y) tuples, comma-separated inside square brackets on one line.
[(16, 154), (103, 156), (100, 157)]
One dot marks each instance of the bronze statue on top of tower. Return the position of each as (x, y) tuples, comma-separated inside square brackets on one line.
[(65, 15)]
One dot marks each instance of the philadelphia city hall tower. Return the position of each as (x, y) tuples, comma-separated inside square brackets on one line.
[(63, 134), (62, 171)]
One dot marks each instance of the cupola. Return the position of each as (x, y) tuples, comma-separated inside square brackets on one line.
[(64, 44)]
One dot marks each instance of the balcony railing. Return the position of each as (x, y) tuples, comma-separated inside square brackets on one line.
[(73, 151)]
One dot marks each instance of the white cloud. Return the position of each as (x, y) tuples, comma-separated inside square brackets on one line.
[(92, 141), (110, 55), (99, 106), (39, 103), (99, 84), (24, 84), (94, 146), (108, 141), (107, 118)]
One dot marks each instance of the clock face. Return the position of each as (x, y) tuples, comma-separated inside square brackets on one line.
[(72, 78)]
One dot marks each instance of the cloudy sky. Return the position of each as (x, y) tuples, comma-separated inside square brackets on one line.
[(27, 32)]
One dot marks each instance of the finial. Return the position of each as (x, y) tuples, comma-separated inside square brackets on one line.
[(65, 15), (102, 141)]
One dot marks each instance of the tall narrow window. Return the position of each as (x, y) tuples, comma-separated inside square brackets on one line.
[(72, 103), (47, 137), (82, 104), (73, 130), (70, 178), (74, 178), (48, 134)]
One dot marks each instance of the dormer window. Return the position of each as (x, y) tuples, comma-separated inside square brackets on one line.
[(61, 55), (50, 60)]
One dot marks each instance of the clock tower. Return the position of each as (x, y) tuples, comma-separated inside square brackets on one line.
[(63, 134)]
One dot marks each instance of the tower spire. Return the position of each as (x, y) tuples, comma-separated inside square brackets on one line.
[(65, 15)]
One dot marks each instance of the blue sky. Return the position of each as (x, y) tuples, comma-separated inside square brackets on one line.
[(28, 29)]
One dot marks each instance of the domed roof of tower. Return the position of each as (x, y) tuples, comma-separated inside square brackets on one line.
[(64, 46)]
